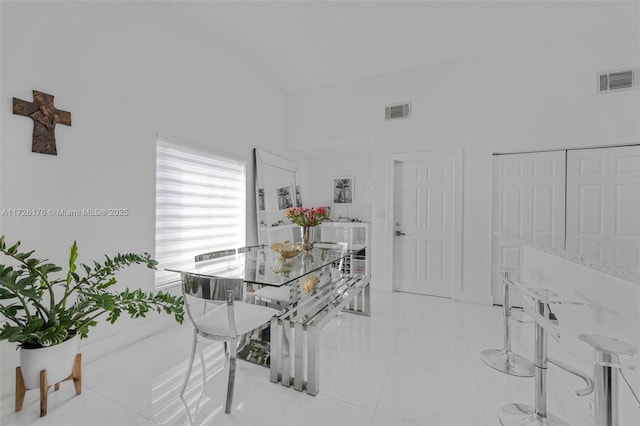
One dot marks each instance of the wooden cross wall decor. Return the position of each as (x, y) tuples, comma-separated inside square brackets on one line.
[(45, 116)]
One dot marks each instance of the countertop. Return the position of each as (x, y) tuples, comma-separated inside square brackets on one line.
[(616, 260)]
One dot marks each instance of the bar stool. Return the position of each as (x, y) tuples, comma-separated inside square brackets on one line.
[(606, 378), (503, 359), (523, 414)]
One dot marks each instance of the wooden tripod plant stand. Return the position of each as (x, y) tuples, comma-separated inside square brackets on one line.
[(21, 390)]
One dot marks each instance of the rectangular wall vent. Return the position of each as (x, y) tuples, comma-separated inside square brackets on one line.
[(393, 112), (619, 80)]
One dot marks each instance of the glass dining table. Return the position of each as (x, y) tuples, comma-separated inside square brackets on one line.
[(317, 291), (260, 266)]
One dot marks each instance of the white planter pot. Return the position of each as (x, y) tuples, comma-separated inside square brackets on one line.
[(58, 360)]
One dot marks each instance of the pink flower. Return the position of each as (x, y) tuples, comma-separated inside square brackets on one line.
[(307, 216)]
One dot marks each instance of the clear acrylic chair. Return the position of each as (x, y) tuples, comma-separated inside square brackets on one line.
[(229, 321), (219, 254)]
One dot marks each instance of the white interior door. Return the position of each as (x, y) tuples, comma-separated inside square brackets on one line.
[(528, 200), (603, 204), (427, 216)]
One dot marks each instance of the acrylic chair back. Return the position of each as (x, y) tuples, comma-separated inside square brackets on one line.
[(211, 290), (222, 323)]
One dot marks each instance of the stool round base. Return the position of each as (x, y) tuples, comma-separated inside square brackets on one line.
[(507, 362), (524, 415)]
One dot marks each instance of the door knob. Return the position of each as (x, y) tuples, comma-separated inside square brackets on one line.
[(398, 233)]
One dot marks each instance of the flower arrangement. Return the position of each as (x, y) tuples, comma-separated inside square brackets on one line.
[(307, 216)]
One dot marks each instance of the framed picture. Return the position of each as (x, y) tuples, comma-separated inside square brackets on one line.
[(261, 199), (284, 195), (298, 197), (343, 190)]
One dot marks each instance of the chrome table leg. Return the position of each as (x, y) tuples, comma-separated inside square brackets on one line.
[(367, 299), (286, 353), (298, 363), (275, 356), (313, 363)]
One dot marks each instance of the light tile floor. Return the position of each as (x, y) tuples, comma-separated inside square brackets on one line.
[(415, 361)]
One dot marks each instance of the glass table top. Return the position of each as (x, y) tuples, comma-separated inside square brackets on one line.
[(262, 266)]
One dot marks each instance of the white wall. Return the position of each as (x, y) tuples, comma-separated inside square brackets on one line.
[(537, 97), (318, 177), (125, 71)]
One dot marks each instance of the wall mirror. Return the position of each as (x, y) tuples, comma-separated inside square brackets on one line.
[(275, 182)]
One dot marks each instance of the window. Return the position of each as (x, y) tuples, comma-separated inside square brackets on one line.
[(200, 204)]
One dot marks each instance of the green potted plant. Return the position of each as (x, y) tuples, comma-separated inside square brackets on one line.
[(46, 312)]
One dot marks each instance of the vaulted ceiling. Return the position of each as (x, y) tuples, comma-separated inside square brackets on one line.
[(305, 44)]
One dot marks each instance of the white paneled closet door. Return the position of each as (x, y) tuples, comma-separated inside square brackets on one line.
[(529, 200), (603, 204)]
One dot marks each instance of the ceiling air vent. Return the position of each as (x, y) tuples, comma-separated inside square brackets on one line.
[(393, 112), (619, 80)]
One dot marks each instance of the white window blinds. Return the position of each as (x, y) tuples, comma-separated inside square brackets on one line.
[(200, 205)]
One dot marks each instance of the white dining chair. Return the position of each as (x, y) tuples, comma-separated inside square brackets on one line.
[(228, 322)]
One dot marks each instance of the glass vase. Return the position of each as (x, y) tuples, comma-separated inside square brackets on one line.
[(308, 237)]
